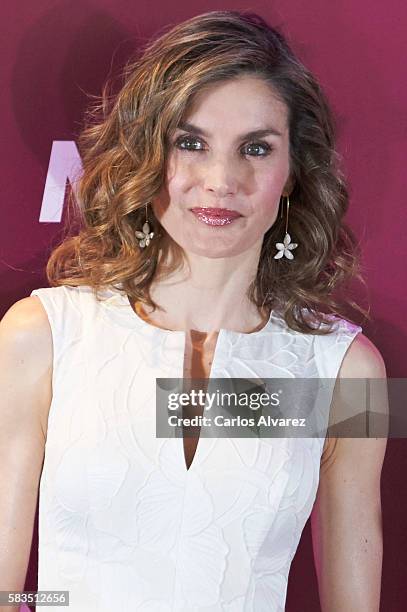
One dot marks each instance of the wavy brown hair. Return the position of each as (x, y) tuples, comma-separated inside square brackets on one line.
[(123, 146)]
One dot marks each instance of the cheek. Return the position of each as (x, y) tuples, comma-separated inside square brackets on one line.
[(269, 188), (178, 185), (180, 173), (268, 193), (175, 184)]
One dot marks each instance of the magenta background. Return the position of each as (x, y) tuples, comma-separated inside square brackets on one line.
[(54, 51)]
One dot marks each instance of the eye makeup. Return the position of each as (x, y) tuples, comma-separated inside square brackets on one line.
[(186, 138)]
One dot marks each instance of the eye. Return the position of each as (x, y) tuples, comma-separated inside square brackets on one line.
[(187, 143), (259, 145)]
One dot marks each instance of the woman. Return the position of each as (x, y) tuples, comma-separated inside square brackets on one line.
[(211, 242)]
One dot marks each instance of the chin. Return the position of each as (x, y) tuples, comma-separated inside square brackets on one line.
[(215, 251)]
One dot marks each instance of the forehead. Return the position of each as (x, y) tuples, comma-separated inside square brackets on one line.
[(248, 100)]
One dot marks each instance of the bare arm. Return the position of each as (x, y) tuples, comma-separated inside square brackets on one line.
[(346, 520), (25, 395)]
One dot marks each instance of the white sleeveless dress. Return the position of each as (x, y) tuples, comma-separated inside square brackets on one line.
[(123, 525)]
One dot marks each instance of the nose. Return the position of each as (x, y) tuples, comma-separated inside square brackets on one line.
[(220, 178)]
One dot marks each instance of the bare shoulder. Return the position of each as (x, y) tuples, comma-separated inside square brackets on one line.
[(26, 357), (362, 360), (26, 337), (26, 315)]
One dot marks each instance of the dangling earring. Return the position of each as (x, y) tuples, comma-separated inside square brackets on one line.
[(145, 236), (285, 247)]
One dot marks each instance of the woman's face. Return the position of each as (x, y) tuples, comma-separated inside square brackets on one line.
[(213, 162)]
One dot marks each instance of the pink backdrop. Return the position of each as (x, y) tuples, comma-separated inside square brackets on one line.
[(55, 51)]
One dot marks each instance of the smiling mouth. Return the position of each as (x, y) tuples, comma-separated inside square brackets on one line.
[(215, 216)]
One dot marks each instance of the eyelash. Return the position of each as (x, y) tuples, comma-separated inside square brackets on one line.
[(182, 139)]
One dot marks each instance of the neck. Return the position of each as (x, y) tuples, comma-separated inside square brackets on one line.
[(211, 295)]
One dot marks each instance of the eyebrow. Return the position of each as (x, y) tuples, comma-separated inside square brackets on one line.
[(190, 127)]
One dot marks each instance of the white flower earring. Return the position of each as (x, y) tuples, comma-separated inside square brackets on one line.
[(286, 247), (145, 236)]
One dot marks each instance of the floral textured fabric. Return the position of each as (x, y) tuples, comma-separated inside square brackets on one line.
[(123, 525)]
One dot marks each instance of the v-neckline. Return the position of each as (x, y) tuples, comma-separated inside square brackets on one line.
[(199, 443), (222, 334)]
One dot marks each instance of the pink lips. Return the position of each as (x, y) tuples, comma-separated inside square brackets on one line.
[(215, 216)]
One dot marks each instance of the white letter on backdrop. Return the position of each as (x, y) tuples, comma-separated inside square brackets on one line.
[(64, 164)]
